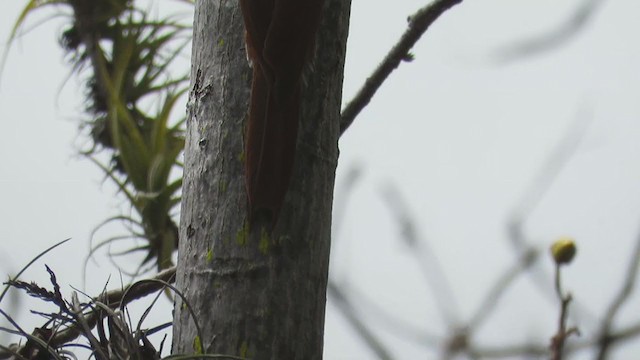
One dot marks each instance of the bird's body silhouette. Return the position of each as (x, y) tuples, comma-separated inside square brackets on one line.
[(280, 39)]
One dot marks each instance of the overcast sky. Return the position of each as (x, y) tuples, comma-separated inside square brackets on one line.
[(460, 137)]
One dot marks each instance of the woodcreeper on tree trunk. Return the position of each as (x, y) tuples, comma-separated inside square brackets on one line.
[(280, 39)]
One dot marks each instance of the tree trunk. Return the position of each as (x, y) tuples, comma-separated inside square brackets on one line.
[(256, 293)]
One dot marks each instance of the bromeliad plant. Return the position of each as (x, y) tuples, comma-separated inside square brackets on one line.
[(101, 325), (145, 146), (126, 58)]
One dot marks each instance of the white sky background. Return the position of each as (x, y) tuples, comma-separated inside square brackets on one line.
[(460, 138)]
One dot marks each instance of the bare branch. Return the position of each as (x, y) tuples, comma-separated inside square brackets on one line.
[(502, 284), (344, 305), (550, 171), (505, 351), (559, 339), (432, 269), (606, 339), (418, 25), (553, 38), (388, 321)]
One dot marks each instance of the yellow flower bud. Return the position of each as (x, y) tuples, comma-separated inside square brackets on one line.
[(563, 250)]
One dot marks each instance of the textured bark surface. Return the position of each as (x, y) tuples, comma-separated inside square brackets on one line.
[(256, 294)]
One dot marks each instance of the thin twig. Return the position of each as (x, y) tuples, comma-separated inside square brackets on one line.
[(554, 38), (605, 338), (553, 166), (387, 320), (344, 305), (550, 171), (506, 351), (432, 269), (418, 25), (502, 284), (559, 339)]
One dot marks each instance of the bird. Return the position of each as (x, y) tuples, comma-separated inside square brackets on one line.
[(280, 43)]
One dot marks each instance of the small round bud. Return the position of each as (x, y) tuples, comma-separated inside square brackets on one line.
[(563, 250)]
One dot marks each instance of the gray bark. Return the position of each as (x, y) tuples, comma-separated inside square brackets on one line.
[(255, 294)]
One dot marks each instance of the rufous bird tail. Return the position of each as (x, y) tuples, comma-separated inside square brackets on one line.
[(270, 147)]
